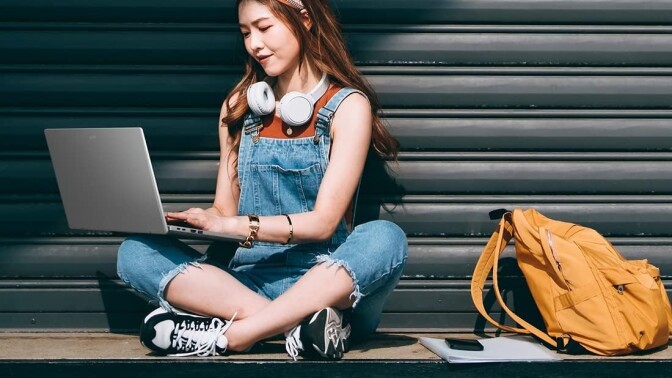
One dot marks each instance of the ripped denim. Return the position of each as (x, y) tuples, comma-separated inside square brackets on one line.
[(373, 255), (148, 263)]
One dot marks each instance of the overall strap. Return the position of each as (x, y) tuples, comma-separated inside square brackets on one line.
[(252, 125), (326, 113), (248, 135)]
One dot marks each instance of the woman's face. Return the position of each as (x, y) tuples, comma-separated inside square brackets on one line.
[(268, 40)]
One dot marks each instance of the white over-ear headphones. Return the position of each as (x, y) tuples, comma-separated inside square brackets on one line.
[(296, 108)]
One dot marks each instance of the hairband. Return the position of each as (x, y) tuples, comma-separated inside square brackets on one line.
[(298, 4)]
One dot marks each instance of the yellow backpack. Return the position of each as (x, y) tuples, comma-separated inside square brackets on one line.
[(586, 292)]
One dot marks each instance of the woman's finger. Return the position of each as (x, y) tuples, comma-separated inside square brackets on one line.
[(177, 215)]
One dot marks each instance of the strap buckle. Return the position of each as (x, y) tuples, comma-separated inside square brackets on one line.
[(562, 343)]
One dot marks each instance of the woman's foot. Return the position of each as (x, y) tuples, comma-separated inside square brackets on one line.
[(324, 334), (183, 334)]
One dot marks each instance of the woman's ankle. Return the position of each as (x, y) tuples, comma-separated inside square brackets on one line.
[(237, 340)]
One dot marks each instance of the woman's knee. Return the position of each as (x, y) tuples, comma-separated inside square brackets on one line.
[(388, 239), (125, 255), (132, 255)]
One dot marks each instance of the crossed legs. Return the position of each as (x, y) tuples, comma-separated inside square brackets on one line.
[(365, 267), (199, 290)]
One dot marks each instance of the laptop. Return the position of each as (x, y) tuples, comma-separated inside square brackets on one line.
[(106, 182)]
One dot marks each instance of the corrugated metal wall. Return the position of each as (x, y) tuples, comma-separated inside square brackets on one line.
[(561, 105)]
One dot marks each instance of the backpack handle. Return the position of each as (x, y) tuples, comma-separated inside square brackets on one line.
[(487, 262)]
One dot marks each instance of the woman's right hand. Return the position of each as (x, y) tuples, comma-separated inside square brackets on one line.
[(209, 220)]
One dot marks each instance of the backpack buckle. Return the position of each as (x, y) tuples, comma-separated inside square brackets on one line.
[(562, 342)]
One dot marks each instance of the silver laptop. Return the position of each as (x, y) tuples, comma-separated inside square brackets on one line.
[(106, 182)]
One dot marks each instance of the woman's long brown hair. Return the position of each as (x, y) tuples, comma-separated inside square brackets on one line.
[(325, 47)]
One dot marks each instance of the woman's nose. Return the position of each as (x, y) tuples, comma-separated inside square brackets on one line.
[(256, 43)]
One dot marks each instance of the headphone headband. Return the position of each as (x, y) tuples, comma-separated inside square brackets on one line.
[(320, 89)]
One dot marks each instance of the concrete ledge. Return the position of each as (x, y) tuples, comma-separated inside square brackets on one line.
[(114, 355), (107, 346)]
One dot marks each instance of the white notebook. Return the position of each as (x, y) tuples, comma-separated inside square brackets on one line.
[(496, 349)]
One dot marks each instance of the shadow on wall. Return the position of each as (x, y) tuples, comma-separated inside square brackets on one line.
[(516, 295), (379, 190), (123, 308)]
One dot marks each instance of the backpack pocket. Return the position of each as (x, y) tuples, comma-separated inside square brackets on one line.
[(634, 296), (583, 315)]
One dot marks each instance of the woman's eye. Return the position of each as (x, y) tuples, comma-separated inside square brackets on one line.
[(245, 34), (264, 28)]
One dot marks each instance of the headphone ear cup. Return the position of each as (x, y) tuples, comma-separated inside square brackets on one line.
[(296, 109), (260, 98)]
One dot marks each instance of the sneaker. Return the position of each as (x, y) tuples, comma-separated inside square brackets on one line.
[(324, 334), (183, 334)]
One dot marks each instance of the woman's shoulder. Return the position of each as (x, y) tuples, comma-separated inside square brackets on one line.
[(353, 112), (354, 101), (347, 97)]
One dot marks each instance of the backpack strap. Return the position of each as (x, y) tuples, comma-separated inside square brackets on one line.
[(489, 262)]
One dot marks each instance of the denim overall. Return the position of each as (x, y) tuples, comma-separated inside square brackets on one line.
[(282, 176)]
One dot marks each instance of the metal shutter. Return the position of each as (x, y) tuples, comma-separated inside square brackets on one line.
[(561, 105)]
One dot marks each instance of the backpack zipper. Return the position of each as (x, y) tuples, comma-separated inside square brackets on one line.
[(557, 260)]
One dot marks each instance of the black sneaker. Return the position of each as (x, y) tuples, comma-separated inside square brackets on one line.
[(182, 334), (323, 334)]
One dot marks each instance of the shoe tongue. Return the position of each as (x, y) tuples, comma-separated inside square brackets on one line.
[(294, 332)]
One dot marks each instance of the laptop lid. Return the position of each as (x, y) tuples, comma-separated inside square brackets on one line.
[(106, 180)]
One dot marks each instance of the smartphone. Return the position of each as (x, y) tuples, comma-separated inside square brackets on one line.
[(464, 344)]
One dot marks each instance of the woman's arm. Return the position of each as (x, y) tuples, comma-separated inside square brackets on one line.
[(227, 192), (351, 133)]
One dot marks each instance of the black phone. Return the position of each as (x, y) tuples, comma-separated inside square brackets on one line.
[(464, 344)]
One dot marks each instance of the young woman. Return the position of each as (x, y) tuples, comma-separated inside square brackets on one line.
[(287, 181)]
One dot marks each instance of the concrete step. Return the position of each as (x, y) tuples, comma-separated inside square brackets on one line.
[(385, 355)]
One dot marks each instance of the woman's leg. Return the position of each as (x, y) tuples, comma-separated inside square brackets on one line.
[(365, 268), (171, 272), (208, 290)]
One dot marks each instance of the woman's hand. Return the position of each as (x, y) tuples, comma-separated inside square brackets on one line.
[(208, 220)]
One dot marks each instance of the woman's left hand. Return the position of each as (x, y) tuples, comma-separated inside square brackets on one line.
[(200, 218)]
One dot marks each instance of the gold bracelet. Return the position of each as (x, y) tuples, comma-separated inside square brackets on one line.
[(291, 229), (254, 229)]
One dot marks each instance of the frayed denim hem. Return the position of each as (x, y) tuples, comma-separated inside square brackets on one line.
[(340, 263), (169, 277)]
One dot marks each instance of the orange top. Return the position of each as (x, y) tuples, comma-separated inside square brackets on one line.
[(273, 127)]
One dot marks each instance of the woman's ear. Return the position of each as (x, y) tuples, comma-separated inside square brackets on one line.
[(307, 22)]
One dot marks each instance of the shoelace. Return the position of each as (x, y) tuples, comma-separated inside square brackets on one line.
[(293, 344), (196, 339), (337, 334)]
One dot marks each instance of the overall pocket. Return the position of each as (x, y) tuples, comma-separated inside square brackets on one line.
[(277, 190)]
